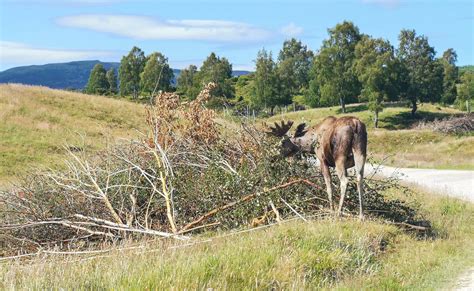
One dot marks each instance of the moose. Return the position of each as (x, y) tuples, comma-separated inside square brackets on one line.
[(337, 142)]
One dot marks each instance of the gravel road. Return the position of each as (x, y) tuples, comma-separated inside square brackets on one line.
[(454, 183)]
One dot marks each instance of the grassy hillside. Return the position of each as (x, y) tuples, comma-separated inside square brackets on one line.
[(397, 143), (36, 122), (327, 253)]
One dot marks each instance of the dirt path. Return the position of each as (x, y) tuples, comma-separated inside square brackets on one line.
[(453, 183)]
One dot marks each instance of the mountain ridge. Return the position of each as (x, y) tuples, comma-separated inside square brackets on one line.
[(69, 75)]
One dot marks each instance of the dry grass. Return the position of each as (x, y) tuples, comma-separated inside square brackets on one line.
[(37, 121)]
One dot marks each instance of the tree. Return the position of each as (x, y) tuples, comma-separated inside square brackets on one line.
[(156, 75), (450, 76), (465, 96), (186, 81), (97, 83), (294, 64), (217, 70), (333, 76), (376, 67), (111, 81), (265, 91), (422, 74), (131, 66)]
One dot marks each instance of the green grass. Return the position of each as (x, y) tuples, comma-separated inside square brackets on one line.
[(345, 254), (395, 143), (36, 122)]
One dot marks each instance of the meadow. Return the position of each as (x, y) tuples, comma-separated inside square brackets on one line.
[(38, 122)]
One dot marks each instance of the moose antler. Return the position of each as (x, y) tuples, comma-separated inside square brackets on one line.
[(300, 130), (280, 130)]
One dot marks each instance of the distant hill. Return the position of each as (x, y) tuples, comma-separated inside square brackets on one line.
[(72, 75)]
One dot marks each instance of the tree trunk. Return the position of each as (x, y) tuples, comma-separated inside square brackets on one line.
[(343, 105), (376, 119), (413, 108), (271, 110)]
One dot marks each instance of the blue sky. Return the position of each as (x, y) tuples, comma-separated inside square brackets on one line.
[(46, 31)]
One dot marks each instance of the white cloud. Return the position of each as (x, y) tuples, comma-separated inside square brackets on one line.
[(291, 30), (14, 54), (148, 28)]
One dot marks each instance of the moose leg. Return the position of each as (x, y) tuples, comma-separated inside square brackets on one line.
[(342, 174), (327, 181), (359, 166)]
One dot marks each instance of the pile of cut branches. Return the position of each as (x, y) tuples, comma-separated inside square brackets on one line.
[(183, 176), (452, 125)]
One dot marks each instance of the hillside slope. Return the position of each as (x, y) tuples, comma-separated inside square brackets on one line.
[(36, 122)]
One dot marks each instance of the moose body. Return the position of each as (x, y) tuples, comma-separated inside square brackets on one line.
[(337, 142)]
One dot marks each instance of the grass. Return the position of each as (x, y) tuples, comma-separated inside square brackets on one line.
[(345, 254), (395, 143), (37, 121)]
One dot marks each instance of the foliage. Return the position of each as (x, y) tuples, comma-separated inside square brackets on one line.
[(376, 68), (422, 75), (465, 96), (156, 75), (294, 62), (97, 83), (186, 80), (112, 81), (131, 66), (216, 70), (333, 79), (266, 93), (450, 76)]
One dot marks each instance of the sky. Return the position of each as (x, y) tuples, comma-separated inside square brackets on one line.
[(35, 32)]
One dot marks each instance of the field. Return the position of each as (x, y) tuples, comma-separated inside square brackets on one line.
[(325, 252), (36, 122), (395, 143)]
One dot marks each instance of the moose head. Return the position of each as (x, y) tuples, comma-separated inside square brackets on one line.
[(291, 145)]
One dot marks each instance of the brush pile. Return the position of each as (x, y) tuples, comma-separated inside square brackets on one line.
[(185, 175), (452, 125)]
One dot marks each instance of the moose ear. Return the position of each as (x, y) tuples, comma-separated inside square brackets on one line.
[(300, 130)]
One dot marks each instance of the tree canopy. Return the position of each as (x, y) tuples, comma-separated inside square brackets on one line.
[(422, 74), (376, 67), (333, 78), (131, 67), (97, 83), (156, 75)]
